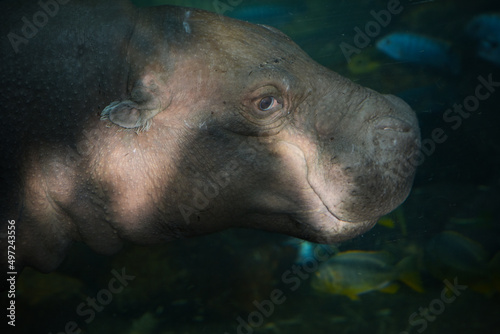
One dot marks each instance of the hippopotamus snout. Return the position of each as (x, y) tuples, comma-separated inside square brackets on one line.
[(372, 148)]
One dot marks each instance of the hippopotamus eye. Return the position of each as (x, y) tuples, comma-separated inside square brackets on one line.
[(268, 103)]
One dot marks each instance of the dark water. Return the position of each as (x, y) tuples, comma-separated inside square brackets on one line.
[(214, 284)]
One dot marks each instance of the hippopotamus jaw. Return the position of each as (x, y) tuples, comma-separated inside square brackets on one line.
[(296, 208), (323, 225)]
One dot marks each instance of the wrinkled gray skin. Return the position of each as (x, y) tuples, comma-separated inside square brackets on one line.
[(144, 125)]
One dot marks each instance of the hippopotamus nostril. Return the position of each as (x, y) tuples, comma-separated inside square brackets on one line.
[(390, 123)]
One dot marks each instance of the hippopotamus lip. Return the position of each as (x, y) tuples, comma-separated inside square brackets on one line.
[(324, 204), (334, 216), (324, 227), (334, 219), (320, 206)]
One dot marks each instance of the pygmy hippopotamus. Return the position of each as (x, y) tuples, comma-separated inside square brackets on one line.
[(124, 124)]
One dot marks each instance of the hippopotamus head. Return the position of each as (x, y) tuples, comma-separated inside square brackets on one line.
[(256, 134), (160, 123)]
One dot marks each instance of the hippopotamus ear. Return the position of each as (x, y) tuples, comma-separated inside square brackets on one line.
[(137, 111)]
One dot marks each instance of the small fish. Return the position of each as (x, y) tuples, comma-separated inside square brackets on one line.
[(353, 273), (38, 289), (387, 221), (307, 250), (484, 26), (394, 219), (484, 220), (485, 29), (419, 49), (361, 64), (304, 252), (489, 50), (450, 254)]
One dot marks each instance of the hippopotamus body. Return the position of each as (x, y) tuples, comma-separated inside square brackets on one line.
[(124, 124)]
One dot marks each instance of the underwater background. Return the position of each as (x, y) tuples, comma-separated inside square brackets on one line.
[(431, 266)]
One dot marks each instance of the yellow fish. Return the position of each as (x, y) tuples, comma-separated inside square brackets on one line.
[(353, 273), (450, 254), (362, 64)]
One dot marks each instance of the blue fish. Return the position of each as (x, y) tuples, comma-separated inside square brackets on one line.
[(420, 49), (485, 29), (490, 51), (306, 250)]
